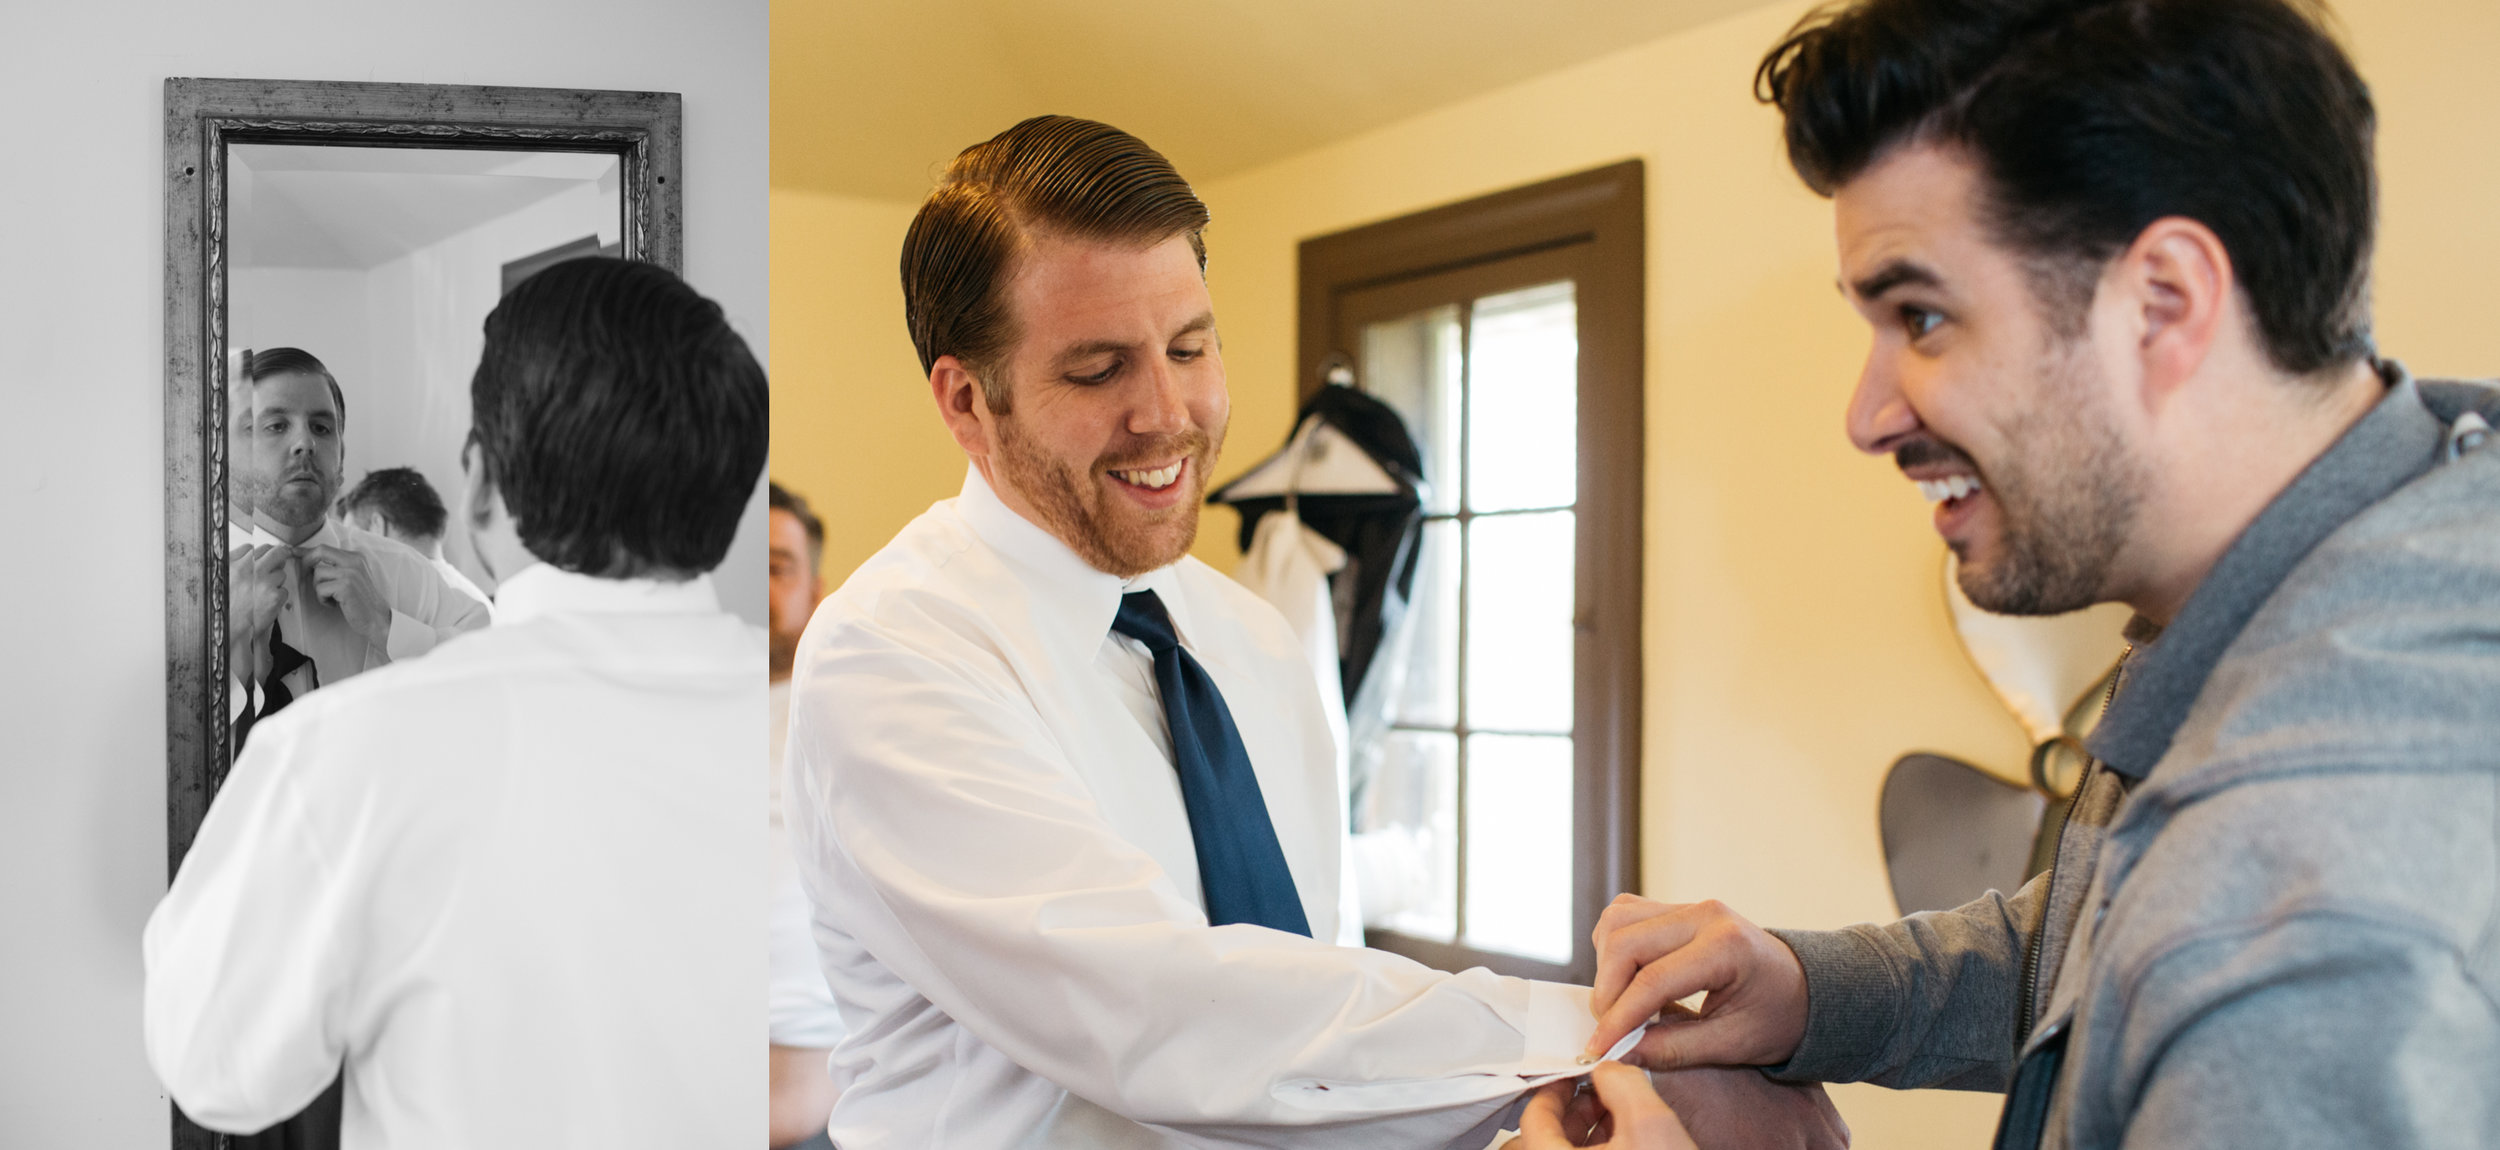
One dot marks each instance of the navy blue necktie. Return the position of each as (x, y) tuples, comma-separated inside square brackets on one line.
[(1240, 866)]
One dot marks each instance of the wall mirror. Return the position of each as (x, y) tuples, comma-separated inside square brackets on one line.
[(331, 253)]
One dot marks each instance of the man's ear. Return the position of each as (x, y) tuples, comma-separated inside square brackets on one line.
[(962, 404), (2177, 277), (478, 501)]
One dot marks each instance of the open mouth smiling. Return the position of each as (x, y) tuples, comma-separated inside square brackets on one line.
[(1152, 479)]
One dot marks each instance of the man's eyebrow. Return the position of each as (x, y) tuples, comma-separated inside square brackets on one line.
[(1204, 321), (1893, 274)]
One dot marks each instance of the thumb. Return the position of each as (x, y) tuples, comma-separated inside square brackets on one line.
[(1677, 1042), (1641, 1118)]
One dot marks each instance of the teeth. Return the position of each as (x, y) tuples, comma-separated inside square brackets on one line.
[(1949, 487), (1157, 478)]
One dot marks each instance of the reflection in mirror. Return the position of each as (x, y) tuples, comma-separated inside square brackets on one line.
[(359, 285), (379, 265)]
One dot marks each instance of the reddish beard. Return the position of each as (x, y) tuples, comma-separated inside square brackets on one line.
[(1110, 535)]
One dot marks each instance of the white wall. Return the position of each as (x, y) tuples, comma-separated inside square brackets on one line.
[(82, 749)]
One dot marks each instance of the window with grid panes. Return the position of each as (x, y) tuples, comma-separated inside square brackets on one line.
[(1506, 332)]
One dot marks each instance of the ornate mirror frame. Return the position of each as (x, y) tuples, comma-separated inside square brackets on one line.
[(202, 118)]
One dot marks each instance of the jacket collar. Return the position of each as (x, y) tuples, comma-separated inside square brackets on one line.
[(1073, 601), (2389, 447)]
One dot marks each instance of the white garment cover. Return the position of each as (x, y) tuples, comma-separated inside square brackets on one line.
[(511, 884), (1008, 903)]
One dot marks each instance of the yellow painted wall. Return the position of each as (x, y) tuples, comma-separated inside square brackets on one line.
[(1796, 641), (854, 430)]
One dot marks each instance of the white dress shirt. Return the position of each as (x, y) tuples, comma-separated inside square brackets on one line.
[(800, 1011), (425, 608), (989, 825), (460, 582), (511, 885)]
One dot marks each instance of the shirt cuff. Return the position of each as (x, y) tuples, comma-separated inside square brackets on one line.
[(1853, 1006), (408, 638), (1558, 1026)]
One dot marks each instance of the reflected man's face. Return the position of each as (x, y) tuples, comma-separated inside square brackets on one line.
[(285, 455)]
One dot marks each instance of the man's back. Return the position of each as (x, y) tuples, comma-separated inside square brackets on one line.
[(495, 883)]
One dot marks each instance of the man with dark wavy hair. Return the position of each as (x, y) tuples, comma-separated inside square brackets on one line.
[(502, 882), (2116, 256)]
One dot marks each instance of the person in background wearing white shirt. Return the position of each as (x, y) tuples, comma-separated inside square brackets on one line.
[(397, 504), (1063, 797), (802, 1022), (312, 601), (506, 883)]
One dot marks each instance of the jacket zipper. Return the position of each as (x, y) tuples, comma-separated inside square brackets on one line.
[(2032, 952)]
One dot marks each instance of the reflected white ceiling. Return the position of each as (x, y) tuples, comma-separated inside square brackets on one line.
[(872, 97), (353, 208)]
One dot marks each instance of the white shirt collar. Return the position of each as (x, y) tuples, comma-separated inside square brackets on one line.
[(544, 589), (250, 529), (1091, 596)]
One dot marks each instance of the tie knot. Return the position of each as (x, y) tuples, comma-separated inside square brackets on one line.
[(1143, 618)]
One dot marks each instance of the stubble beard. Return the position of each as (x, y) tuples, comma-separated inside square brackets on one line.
[(2066, 505), (1072, 504), (270, 499)]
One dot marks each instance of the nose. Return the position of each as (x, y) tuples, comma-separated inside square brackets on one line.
[(1879, 415), (1162, 403)]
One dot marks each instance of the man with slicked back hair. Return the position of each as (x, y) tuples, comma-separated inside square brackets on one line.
[(2116, 259), (1063, 797)]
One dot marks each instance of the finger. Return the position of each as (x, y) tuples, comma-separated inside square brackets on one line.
[(326, 555), (1640, 1117), (1626, 909), (1658, 985), (1541, 1124), (1633, 945)]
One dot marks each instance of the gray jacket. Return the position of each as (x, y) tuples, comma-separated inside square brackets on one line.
[(2274, 920)]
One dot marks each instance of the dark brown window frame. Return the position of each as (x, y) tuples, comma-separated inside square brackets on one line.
[(1595, 220)]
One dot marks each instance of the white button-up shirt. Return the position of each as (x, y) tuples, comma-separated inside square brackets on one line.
[(513, 885), (988, 822)]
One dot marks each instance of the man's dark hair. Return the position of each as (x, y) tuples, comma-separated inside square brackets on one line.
[(1054, 174), (2091, 119), (260, 365), (620, 418), (402, 498)]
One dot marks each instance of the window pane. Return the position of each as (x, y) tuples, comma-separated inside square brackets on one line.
[(1406, 837), (1429, 697), (1519, 845), (1519, 633), (1412, 364), (1523, 418)]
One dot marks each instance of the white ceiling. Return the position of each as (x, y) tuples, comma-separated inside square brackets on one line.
[(872, 97), (334, 207)]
